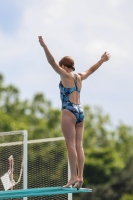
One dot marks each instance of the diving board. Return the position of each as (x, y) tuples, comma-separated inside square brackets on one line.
[(47, 191)]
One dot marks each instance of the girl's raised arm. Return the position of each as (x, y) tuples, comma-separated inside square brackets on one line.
[(105, 57), (51, 59)]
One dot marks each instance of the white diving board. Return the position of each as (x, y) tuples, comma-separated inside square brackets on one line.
[(47, 191)]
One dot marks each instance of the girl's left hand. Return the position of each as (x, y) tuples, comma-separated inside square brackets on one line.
[(41, 41)]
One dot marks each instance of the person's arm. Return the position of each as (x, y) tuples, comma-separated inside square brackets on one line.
[(50, 58), (105, 57)]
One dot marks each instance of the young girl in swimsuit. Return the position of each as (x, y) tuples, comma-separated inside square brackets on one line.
[(72, 122)]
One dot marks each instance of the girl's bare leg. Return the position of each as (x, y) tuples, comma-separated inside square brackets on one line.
[(79, 148), (69, 131)]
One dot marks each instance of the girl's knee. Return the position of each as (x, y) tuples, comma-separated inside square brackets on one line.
[(70, 145), (79, 147)]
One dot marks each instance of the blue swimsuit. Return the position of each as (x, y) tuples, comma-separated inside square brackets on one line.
[(66, 104)]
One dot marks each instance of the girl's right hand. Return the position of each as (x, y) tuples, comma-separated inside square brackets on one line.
[(105, 57)]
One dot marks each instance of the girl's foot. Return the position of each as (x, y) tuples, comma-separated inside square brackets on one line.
[(71, 182), (78, 185)]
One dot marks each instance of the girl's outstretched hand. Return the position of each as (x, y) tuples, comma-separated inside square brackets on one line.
[(41, 41), (105, 57)]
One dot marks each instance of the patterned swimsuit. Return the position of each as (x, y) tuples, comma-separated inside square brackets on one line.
[(76, 109)]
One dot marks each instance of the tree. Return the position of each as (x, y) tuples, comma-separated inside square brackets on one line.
[(36, 115), (108, 151), (127, 197), (107, 170)]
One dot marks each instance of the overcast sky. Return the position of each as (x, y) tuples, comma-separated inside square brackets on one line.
[(83, 29)]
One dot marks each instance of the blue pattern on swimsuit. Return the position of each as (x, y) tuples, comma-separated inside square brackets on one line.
[(76, 109)]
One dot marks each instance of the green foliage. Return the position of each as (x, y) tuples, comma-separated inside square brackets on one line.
[(96, 133), (102, 159), (122, 183), (44, 155), (37, 116), (100, 164), (124, 141), (127, 197), (108, 151)]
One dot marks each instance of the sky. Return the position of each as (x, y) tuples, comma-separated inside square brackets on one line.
[(82, 29)]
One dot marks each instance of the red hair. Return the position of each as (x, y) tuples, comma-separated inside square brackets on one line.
[(68, 62)]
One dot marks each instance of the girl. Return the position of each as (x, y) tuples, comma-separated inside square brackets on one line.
[(72, 122)]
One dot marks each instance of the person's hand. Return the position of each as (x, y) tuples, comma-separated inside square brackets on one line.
[(105, 57), (41, 41)]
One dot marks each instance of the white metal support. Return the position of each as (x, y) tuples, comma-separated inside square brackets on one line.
[(25, 152), (69, 175)]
